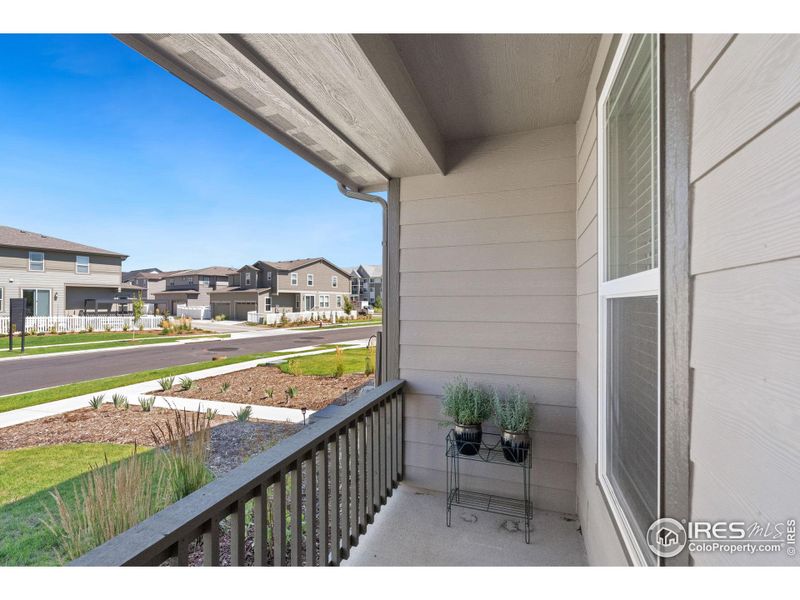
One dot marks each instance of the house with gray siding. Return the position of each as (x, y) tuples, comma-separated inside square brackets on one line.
[(59, 277), (610, 223), (283, 286), (366, 283), (190, 287)]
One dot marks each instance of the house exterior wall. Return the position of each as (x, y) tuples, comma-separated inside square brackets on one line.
[(322, 280), (603, 546), (487, 290), (58, 274), (745, 266)]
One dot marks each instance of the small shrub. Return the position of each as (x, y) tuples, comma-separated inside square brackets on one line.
[(53, 330), (219, 317), (512, 410), (186, 383), (146, 402), (293, 367), (284, 319), (120, 401), (113, 498), (96, 401), (166, 383), (225, 387), (338, 370), (290, 392), (107, 328), (141, 327), (465, 403), (269, 393), (211, 414), (89, 329), (125, 327), (185, 442), (369, 361), (243, 414)]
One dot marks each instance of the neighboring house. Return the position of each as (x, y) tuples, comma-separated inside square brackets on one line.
[(191, 287), (58, 277), (282, 286), (148, 281), (366, 283), (610, 223)]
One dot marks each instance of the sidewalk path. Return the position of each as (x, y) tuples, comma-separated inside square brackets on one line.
[(132, 392)]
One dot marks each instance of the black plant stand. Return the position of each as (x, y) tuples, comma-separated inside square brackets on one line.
[(490, 452)]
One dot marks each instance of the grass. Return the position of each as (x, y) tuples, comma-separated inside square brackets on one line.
[(348, 324), (353, 361), (26, 477), (31, 350), (34, 398), (77, 338)]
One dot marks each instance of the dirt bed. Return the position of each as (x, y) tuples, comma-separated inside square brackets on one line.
[(250, 387)]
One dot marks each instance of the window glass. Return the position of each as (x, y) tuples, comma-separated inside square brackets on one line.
[(81, 264), (36, 261)]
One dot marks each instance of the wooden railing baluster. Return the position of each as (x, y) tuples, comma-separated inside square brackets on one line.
[(296, 512), (279, 520), (260, 545), (238, 534), (323, 534), (211, 543), (311, 509)]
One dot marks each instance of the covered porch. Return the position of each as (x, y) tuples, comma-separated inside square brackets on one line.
[(487, 270)]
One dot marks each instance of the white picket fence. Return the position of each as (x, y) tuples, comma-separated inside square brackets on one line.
[(71, 324), (292, 317), (194, 312)]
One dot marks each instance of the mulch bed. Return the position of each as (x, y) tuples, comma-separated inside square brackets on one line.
[(249, 387)]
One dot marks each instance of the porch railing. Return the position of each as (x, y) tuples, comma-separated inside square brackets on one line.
[(312, 496)]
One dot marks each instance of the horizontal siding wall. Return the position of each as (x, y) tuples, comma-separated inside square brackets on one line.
[(745, 259), (603, 547), (487, 290)]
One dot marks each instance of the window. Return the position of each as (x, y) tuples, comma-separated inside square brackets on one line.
[(37, 303), (269, 275), (205, 279), (310, 280), (297, 302), (629, 441), (247, 278), (293, 278), (1, 299), (334, 281), (82, 264), (35, 261), (324, 301), (267, 304), (338, 302)]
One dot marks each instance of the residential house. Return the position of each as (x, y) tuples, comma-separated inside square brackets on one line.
[(191, 287), (147, 281), (58, 277), (611, 223), (282, 286), (366, 283)]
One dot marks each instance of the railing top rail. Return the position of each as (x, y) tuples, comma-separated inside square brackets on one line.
[(152, 537)]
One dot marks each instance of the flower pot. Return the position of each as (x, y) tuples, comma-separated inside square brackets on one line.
[(515, 446), (468, 439)]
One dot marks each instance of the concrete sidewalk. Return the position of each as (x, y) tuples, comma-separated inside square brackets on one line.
[(132, 392)]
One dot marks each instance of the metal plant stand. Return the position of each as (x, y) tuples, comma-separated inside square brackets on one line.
[(490, 452)]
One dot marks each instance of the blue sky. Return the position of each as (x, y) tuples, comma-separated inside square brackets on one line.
[(101, 146)]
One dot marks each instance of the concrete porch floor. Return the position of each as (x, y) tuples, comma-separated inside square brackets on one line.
[(410, 530)]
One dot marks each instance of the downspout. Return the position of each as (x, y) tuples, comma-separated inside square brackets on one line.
[(384, 260)]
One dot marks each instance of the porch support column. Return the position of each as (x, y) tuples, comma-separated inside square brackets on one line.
[(676, 285), (391, 284)]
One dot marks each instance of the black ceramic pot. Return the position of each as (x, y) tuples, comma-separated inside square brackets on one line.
[(515, 446), (468, 439)]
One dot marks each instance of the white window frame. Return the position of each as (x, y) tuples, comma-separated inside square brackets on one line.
[(334, 281), (324, 301), (309, 280), (644, 283), (78, 264), (338, 301), (247, 278), (293, 279), (31, 261), (268, 304), (2, 298), (36, 298), (269, 275)]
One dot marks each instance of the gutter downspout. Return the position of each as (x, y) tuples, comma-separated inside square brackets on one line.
[(355, 195)]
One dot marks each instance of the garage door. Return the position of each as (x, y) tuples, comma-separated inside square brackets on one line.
[(221, 308), (241, 309)]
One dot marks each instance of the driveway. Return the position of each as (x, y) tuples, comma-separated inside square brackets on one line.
[(50, 370)]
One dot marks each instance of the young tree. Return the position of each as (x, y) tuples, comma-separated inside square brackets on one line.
[(378, 303), (138, 311), (348, 305)]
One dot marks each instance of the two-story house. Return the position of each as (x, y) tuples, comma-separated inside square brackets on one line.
[(366, 283), (283, 286), (147, 281), (191, 287), (58, 277)]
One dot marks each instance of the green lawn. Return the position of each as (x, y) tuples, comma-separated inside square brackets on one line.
[(325, 364), (30, 351), (77, 338), (348, 324), (26, 477), (24, 399)]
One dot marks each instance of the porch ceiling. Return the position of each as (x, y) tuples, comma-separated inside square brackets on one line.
[(366, 108)]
